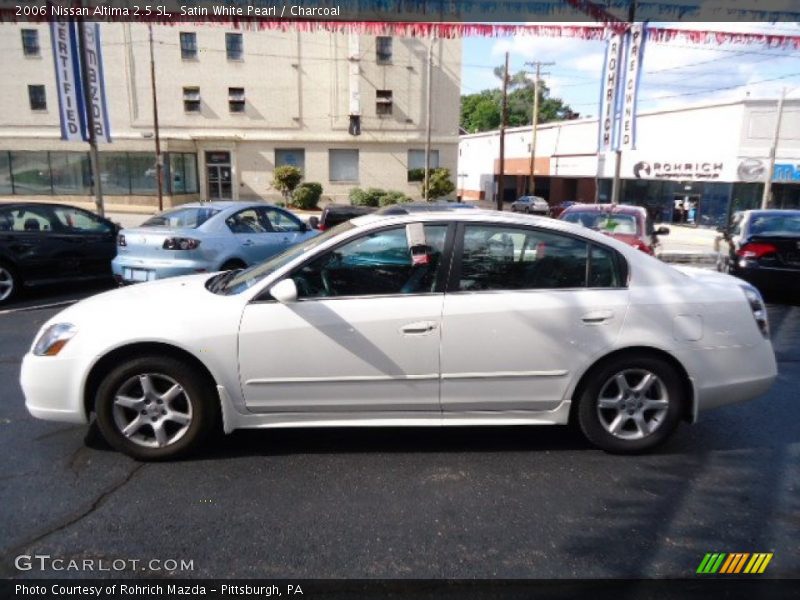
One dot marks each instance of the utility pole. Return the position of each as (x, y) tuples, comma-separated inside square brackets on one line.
[(535, 118), (428, 124), (772, 152), (94, 158), (503, 119), (615, 184), (159, 157)]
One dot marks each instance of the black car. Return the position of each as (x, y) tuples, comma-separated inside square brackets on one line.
[(763, 248), (50, 243), (334, 214)]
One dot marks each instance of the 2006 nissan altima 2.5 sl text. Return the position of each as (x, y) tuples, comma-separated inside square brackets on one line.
[(439, 318)]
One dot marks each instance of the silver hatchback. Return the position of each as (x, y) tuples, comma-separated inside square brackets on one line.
[(198, 238), (532, 205)]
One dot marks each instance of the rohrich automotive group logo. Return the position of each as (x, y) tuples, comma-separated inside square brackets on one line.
[(722, 563)]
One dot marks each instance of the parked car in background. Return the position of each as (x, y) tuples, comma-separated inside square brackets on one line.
[(763, 247), (199, 238), (533, 205), (629, 224), (557, 209), (333, 214), (50, 243), (458, 317)]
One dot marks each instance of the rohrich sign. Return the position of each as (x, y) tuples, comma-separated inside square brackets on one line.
[(679, 169)]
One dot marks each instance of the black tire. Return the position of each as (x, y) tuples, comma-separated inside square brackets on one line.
[(660, 422), (234, 263), (198, 394), (10, 283)]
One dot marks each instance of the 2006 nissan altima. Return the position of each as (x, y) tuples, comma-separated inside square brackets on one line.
[(443, 318)]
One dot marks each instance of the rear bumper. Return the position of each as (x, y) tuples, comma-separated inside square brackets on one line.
[(768, 279), (125, 268)]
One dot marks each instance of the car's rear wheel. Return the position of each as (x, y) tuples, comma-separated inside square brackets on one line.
[(631, 405), (156, 407), (230, 265), (9, 283)]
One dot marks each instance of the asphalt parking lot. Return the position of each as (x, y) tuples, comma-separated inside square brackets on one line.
[(408, 503)]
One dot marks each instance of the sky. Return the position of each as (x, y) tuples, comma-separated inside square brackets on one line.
[(674, 74)]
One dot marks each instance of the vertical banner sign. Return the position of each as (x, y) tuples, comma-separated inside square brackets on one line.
[(633, 73), (96, 102), (68, 81), (608, 93)]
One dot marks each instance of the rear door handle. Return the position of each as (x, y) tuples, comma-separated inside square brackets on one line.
[(419, 328), (598, 316)]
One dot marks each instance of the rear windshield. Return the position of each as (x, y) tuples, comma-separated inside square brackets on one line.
[(775, 225), (612, 223), (182, 218)]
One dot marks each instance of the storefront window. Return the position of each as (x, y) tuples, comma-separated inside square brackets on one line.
[(713, 207), (114, 174), (190, 173), (177, 176), (31, 173), (143, 173), (5, 174), (70, 173)]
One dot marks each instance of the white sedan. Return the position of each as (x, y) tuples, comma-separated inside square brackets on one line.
[(439, 318)]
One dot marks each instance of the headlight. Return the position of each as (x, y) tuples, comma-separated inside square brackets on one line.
[(758, 308), (54, 338)]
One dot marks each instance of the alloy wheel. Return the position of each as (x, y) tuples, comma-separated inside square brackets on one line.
[(6, 284), (632, 404), (152, 410)]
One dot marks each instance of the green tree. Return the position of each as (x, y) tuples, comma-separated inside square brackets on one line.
[(439, 184), (285, 179)]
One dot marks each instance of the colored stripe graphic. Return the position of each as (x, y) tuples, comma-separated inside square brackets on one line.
[(711, 563), (734, 563), (758, 563)]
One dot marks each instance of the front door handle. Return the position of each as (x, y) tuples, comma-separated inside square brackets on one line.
[(419, 328), (248, 243), (598, 316)]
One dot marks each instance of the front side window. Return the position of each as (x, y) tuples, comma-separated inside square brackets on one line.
[(497, 257), (37, 97), (246, 221), (30, 42), (188, 45), (234, 46), (379, 263), (76, 220), (281, 221)]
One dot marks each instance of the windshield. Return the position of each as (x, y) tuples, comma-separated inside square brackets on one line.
[(247, 278), (612, 223), (182, 218), (776, 225)]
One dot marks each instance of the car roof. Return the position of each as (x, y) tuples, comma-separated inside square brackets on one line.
[(610, 208), (224, 204), (772, 211), (417, 207)]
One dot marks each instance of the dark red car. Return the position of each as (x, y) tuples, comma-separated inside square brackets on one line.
[(629, 224)]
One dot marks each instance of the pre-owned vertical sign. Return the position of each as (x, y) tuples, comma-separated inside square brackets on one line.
[(73, 100), (633, 70), (68, 81), (96, 89), (608, 97)]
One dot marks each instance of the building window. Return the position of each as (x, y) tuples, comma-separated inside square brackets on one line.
[(383, 102), (416, 164), (234, 46), (343, 165), (188, 45), (292, 157), (37, 97), (30, 42), (383, 50), (236, 99), (191, 99)]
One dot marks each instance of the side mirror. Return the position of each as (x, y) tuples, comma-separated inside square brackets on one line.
[(285, 291), (662, 231), (313, 222)]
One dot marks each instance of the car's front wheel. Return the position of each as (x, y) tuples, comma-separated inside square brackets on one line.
[(9, 283), (631, 405), (156, 407)]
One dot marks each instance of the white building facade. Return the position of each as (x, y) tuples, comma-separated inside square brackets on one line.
[(713, 157), (233, 105)]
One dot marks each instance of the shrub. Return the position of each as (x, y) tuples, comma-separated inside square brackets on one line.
[(368, 197), (439, 184), (285, 179), (393, 197), (307, 195)]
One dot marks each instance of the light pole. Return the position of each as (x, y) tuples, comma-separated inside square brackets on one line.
[(159, 157), (535, 120), (772, 152)]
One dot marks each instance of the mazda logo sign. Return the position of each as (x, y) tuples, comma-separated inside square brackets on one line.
[(751, 169)]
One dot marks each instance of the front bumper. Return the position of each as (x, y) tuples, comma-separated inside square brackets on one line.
[(133, 270), (52, 388)]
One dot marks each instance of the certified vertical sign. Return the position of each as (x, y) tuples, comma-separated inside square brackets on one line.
[(608, 97), (633, 70), (68, 81), (73, 100)]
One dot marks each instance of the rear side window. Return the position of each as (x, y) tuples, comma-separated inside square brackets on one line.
[(511, 258)]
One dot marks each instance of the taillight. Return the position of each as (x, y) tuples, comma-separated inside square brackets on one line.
[(643, 247), (756, 250), (180, 244), (321, 227), (121, 240), (758, 308)]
